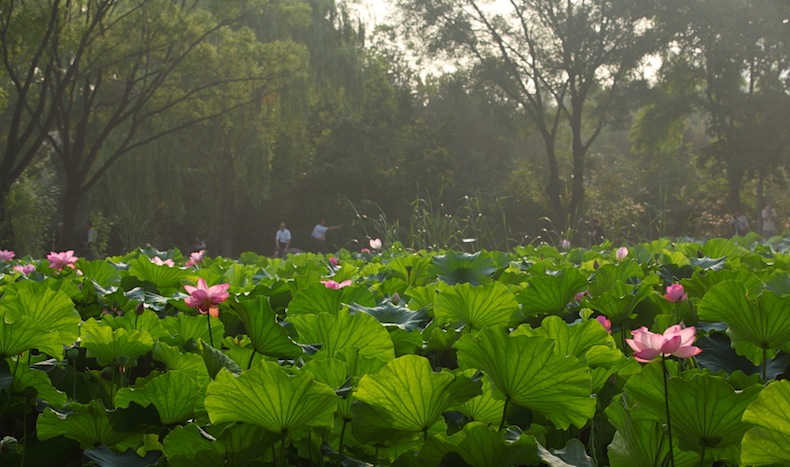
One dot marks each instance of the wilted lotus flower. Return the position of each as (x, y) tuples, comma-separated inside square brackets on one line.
[(605, 323), (204, 298), (195, 258), (330, 284), (375, 243), (676, 294), (62, 260), (6, 255), (621, 253), (334, 261), (675, 341), (160, 262), (365, 250), (565, 244), (25, 269)]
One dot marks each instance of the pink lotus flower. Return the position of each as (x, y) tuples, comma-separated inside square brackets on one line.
[(62, 260), (579, 296), (621, 253), (605, 323), (676, 294), (375, 243), (195, 258), (565, 244), (675, 341), (334, 261), (330, 284), (25, 269), (6, 255), (365, 250), (160, 262), (205, 298)]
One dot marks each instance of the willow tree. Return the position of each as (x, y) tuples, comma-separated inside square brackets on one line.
[(562, 61)]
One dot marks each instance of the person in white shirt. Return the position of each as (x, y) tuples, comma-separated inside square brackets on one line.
[(319, 236), (282, 241), (769, 221)]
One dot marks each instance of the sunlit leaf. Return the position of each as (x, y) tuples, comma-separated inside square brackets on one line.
[(174, 394), (476, 306), (335, 332), (118, 346), (768, 441), (550, 294), (268, 337)]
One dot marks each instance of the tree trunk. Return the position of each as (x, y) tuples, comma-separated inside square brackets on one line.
[(734, 180), (71, 238), (7, 238), (554, 187), (227, 216)]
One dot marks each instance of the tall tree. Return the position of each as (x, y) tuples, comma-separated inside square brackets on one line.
[(562, 61)]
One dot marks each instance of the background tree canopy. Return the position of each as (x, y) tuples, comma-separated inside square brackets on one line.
[(170, 122)]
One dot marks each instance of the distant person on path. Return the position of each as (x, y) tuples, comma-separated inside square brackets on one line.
[(57, 239), (595, 231), (282, 241), (90, 239), (739, 223), (319, 236), (769, 220)]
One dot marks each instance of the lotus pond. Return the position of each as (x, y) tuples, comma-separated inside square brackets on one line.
[(395, 357)]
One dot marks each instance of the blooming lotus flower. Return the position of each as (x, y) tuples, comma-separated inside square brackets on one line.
[(62, 260), (566, 244), (375, 243), (195, 258), (25, 269), (674, 341), (330, 284), (365, 250), (204, 297), (621, 253), (676, 294), (605, 323), (160, 262), (6, 255), (334, 261)]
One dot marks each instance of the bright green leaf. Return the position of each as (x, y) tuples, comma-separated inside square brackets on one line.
[(335, 332), (477, 307), (768, 441), (174, 394), (110, 346), (268, 337)]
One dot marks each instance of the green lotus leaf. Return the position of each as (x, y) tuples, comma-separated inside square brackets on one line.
[(608, 275), (190, 364), (779, 283), (721, 247), (702, 281), (331, 371), (317, 298), (244, 444), (558, 387), (110, 346), (757, 325), (393, 316), (476, 306), (460, 268), (268, 337), (573, 454), (184, 328), (406, 342), (412, 394), (641, 442), (26, 377), (269, 397), (619, 301), (215, 360), (481, 446), (99, 272), (163, 277), (240, 277), (714, 426), (487, 407), (571, 339), (335, 332), (173, 394), (187, 446), (550, 294), (412, 270), (105, 456), (89, 424), (422, 297), (148, 321), (33, 316), (768, 441)]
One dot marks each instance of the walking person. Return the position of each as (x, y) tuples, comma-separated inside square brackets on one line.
[(769, 220), (282, 241), (319, 236)]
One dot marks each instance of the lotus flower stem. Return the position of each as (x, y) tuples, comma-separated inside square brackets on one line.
[(666, 408), (210, 336), (764, 366), (504, 413), (342, 441), (282, 449), (249, 364)]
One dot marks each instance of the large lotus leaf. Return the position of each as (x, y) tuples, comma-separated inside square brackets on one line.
[(391, 315), (702, 281), (779, 283), (571, 339), (406, 342), (610, 274), (244, 444), (422, 297), (317, 298), (189, 363), (335, 332), (26, 377), (619, 301), (184, 328), (551, 293), (458, 268), (148, 321), (101, 273), (188, 446), (240, 277), (268, 337), (721, 247), (573, 454), (641, 442), (476, 306), (756, 324), (412, 394), (714, 426), (163, 277), (269, 397), (104, 456), (481, 446), (487, 407), (174, 394), (768, 441), (410, 269), (89, 424), (530, 373), (117, 346), (33, 316), (215, 360)]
